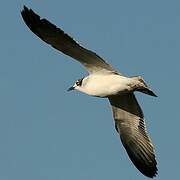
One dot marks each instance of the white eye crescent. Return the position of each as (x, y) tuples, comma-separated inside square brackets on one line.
[(79, 82)]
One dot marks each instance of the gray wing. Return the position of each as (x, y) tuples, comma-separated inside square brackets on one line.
[(54, 36), (130, 125)]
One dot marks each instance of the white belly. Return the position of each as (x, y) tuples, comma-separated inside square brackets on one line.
[(107, 85)]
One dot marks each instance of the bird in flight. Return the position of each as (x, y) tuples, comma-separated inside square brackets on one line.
[(105, 82)]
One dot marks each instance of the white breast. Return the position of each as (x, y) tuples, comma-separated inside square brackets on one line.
[(105, 85)]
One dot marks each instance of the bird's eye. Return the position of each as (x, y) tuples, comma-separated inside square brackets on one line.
[(79, 82)]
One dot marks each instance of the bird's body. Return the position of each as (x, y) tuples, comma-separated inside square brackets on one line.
[(104, 81), (106, 85)]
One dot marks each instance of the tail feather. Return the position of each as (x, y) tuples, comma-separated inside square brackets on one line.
[(143, 87), (147, 91)]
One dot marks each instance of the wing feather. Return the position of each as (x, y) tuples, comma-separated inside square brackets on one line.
[(129, 121), (61, 41)]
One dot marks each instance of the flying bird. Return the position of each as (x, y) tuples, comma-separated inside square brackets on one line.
[(105, 82)]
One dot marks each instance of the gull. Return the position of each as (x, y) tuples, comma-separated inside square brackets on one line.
[(105, 82)]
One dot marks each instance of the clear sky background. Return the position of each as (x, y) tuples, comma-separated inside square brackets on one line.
[(47, 133)]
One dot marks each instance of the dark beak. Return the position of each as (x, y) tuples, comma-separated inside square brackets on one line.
[(71, 88)]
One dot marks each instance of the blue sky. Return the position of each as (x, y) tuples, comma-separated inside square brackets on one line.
[(47, 133)]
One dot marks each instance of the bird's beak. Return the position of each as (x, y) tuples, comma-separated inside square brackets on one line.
[(71, 88)]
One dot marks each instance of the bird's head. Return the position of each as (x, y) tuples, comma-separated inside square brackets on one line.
[(78, 85)]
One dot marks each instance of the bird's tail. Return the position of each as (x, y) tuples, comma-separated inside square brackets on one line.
[(143, 87), (147, 91)]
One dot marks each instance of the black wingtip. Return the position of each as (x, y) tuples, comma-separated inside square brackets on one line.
[(151, 170), (24, 12), (24, 9), (148, 169), (153, 173), (31, 19)]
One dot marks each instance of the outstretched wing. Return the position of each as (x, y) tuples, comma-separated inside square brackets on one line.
[(130, 125), (54, 36)]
